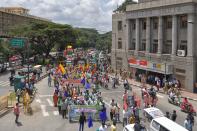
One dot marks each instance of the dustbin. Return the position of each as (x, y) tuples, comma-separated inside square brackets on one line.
[(195, 88)]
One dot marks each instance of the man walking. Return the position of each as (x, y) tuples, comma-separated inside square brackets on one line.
[(16, 112), (64, 108), (174, 115), (82, 120), (49, 80)]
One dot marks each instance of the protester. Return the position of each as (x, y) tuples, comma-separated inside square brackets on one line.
[(173, 116), (103, 114), (16, 112), (90, 122), (112, 109), (125, 117), (168, 115), (59, 104), (188, 124), (103, 127), (113, 126), (82, 120), (132, 119), (49, 80), (64, 108)]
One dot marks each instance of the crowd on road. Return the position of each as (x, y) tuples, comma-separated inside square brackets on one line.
[(77, 96)]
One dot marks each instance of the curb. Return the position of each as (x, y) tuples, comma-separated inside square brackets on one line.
[(5, 111), (159, 92)]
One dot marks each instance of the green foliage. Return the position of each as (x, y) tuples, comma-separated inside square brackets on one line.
[(123, 6), (43, 36)]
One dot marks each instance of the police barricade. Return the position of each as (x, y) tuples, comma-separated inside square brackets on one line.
[(3, 102), (74, 112)]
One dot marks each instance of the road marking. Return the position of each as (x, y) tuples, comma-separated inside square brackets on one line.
[(44, 112), (4, 83), (45, 96), (38, 100), (106, 103), (111, 92), (50, 102), (55, 113), (160, 96)]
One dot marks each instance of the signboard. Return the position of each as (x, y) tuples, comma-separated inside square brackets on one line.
[(16, 42), (133, 61), (164, 68)]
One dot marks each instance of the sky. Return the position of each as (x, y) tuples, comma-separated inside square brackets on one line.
[(78, 13)]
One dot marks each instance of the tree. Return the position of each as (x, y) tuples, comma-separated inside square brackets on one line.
[(44, 35), (122, 7)]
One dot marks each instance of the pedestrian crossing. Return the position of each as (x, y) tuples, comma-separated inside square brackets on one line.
[(4, 83), (46, 106)]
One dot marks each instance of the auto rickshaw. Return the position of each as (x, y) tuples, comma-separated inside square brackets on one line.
[(19, 82)]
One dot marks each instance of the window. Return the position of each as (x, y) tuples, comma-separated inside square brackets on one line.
[(144, 25), (119, 44), (163, 128), (183, 20), (154, 46), (119, 25), (156, 125), (143, 46), (155, 24), (133, 26), (169, 23)]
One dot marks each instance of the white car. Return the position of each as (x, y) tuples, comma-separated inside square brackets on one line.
[(152, 113), (130, 127)]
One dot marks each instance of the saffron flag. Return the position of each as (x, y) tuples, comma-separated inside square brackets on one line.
[(62, 69)]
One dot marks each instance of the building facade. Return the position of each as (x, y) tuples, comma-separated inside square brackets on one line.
[(15, 10), (158, 37), (8, 19)]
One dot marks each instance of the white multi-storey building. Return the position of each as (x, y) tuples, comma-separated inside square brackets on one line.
[(158, 37)]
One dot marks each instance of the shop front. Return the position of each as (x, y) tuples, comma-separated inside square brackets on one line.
[(142, 69)]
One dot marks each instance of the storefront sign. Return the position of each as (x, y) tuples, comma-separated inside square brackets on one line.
[(133, 61), (151, 66)]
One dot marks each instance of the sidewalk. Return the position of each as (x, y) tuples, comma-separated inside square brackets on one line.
[(189, 95)]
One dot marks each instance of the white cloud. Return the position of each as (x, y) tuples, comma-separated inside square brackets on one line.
[(79, 13)]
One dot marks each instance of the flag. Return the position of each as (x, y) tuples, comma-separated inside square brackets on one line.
[(87, 85), (90, 122), (62, 69), (83, 81)]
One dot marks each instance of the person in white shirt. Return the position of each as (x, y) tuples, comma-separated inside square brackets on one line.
[(103, 127)]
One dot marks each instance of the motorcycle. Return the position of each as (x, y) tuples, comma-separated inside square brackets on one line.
[(187, 107), (173, 101)]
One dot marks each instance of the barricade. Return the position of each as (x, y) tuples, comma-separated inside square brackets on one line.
[(3, 102)]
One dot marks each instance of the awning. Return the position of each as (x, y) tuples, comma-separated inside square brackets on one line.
[(152, 70)]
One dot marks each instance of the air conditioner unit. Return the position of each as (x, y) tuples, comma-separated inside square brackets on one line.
[(181, 53)]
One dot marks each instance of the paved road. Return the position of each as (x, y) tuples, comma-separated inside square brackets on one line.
[(46, 117), (5, 83)]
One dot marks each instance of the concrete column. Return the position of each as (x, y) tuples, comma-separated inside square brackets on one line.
[(191, 35), (127, 34), (148, 35), (160, 35), (137, 44), (174, 35)]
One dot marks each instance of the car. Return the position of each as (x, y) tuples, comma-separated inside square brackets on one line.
[(152, 113), (130, 127)]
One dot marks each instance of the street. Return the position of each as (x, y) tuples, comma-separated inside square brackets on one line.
[(46, 117), (5, 83)]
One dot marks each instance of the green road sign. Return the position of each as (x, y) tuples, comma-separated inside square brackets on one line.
[(17, 42)]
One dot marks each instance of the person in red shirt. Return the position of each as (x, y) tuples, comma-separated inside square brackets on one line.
[(16, 112)]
